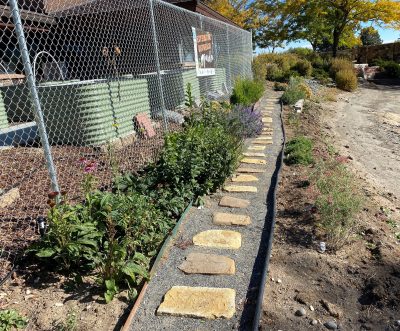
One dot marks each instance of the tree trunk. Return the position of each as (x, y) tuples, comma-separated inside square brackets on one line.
[(335, 45)]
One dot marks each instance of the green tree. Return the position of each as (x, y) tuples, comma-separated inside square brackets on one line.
[(238, 11), (370, 36)]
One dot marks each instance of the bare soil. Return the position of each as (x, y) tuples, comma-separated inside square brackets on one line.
[(357, 287)]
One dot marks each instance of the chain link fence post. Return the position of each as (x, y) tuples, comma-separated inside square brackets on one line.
[(34, 94), (158, 67), (229, 60)]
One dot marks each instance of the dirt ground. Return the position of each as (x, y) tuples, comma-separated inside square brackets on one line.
[(358, 287)]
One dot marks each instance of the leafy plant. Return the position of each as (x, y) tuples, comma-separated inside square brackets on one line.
[(246, 92), (189, 98), (391, 68), (72, 237), (193, 162), (299, 151), (70, 323), (10, 318)]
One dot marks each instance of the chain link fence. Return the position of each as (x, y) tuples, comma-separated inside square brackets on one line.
[(93, 86)]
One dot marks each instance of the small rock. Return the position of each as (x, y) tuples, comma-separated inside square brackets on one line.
[(332, 309), (273, 279), (14, 275), (300, 312), (312, 308), (27, 297), (58, 304), (398, 322), (28, 292), (314, 322), (321, 247), (279, 281), (331, 325)]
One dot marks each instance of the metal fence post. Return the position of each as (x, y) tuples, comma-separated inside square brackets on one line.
[(229, 59), (34, 94), (159, 78)]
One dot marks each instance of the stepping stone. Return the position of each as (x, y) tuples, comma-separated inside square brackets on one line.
[(254, 154), (264, 142), (9, 198), (266, 120), (244, 178), (253, 161), (231, 219), (263, 138), (232, 202), (256, 148), (200, 302), (250, 170), (208, 264), (239, 189), (218, 239)]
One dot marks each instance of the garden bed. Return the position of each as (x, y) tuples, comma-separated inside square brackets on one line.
[(24, 168)]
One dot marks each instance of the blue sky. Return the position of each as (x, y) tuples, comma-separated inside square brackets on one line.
[(387, 35)]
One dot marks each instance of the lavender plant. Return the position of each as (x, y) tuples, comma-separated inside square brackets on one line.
[(250, 120)]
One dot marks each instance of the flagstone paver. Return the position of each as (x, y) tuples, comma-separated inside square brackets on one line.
[(253, 161), (240, 189), (232, 202), (244, 178), (231, 219), (200, 302), (251, 154), (250, 170), (208, 264), (256, 148), (263, 142), (218, 239)]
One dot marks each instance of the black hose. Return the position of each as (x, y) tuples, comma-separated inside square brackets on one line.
[(270, 229)]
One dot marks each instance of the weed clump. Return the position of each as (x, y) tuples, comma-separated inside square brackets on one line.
[(294, 91), (299, 151)]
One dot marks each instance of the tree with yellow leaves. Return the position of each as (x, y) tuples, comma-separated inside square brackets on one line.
[(313, 19), (238, 11)]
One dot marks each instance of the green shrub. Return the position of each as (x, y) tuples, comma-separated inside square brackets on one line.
[(274, 73), (247, 92), (294, 91), (338, 202), (304, 68), (259, 68), (339, 64), (299, 151), (280, 86), (346, 80), (193, 162), (392, 68)]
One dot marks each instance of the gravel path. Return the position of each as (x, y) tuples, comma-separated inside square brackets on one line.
[(247, 270)]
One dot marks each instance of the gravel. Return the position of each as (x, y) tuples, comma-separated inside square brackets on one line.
[(248, 269)]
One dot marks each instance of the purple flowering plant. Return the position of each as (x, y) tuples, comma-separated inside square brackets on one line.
[(250, 120)]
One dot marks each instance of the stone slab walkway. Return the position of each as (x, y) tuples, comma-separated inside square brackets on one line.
[(187, 293)]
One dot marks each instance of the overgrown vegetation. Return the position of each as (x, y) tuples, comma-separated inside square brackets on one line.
[(299, 151), (247, 92), (10, 319), (114, 236)]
